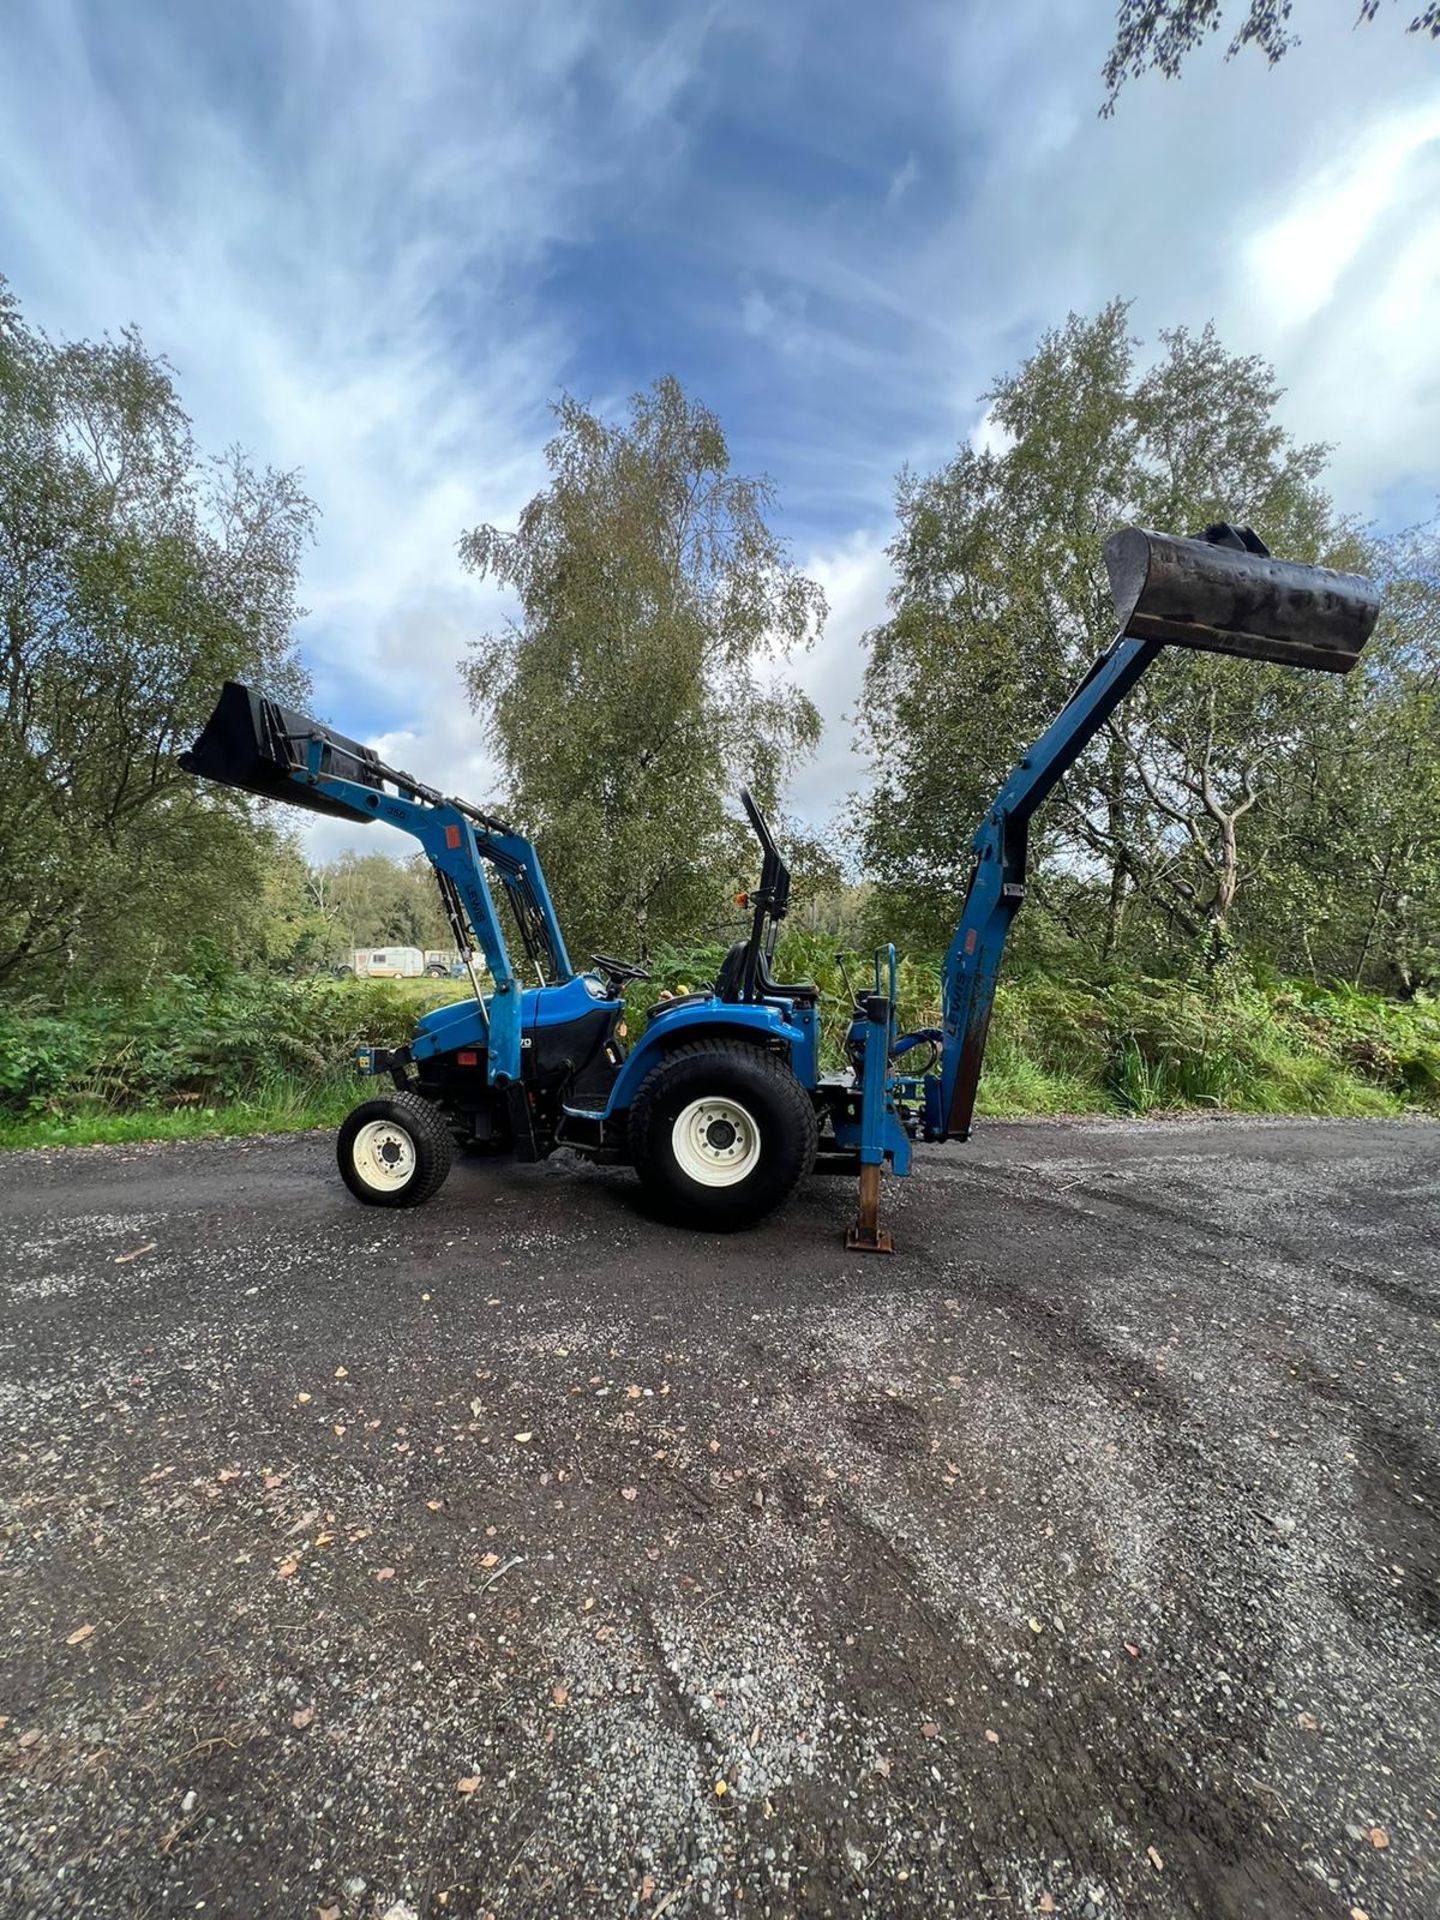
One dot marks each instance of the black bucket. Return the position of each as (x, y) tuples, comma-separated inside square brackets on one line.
[(1223, 595), (257, 745)]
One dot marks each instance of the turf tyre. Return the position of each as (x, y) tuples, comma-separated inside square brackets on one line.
[(423, 1135), (770, 1117)]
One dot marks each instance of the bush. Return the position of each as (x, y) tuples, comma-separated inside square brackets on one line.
[(1088, 1044), (205, 1042), (1151, 1045)]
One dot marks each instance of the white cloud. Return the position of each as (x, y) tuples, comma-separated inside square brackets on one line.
[(340, 258), (855, 575), (1342, 289), (988, 436), (434, 735), (1211, 197), (1036, 207), (1296, 262)]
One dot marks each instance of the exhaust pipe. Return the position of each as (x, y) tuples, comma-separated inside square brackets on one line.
[(1223, 592), (259, 746)]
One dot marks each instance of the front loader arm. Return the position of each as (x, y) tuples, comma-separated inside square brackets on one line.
[(260, 747)]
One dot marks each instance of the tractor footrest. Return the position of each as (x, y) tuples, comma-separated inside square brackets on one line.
[(585, 1131)]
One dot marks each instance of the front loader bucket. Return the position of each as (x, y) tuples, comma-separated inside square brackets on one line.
[(1224, 593), (257, 745)]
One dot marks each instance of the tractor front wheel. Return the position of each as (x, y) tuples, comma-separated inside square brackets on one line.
[(395, 1151), (721, 1134)]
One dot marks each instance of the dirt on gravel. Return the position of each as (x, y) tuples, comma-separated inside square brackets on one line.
[(519, 1556)]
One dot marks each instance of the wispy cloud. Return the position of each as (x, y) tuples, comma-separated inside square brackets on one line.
[(902, 180), (855, 573)]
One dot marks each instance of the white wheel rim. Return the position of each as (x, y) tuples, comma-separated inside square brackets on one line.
[(715, 1142), (384, 1156)]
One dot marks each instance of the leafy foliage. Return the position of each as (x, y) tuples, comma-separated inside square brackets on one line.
[(135, 576), (370, 900), (1349, 838), (1213, 772), (234, 1052), (197, 1040), (1092, 1043), (641, 686), (1161, 34)]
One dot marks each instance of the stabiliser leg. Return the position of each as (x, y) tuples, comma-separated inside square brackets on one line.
[(867, 1235), (873, 1030)]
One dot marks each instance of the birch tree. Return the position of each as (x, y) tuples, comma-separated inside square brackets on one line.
[(644, 677)]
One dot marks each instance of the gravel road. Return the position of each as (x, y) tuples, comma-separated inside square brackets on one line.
[(518, 1556)]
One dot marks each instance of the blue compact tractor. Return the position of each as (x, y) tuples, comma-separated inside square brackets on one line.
[(720, 1104)]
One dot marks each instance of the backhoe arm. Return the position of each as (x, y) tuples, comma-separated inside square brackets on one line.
[(1222, 592), (997, 880)]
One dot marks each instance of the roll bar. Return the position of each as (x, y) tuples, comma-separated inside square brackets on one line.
[(770, 901)]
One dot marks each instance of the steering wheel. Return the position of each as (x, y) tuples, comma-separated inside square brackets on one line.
[(617, 972)]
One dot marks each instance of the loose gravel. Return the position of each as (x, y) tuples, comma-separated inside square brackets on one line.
[(519, 1556)]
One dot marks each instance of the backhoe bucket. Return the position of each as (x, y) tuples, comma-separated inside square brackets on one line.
[(1225, 594), (257, 745)]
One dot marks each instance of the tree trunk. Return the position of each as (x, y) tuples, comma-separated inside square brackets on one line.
[(1377, 906), (1118, 820), (1227, 880)]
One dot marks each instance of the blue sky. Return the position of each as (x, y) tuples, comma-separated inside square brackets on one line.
[(375, 240)]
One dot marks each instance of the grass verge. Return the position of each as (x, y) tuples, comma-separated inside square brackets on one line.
[(283, 1105)]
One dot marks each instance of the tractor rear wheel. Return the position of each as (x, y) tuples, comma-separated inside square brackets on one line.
[(395, 1151), (721, 1134)]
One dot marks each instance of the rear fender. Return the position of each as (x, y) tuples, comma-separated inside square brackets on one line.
[(760, 1025)]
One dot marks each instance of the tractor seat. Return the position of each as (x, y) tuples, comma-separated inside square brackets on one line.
[(788, 990), (732, 973)]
